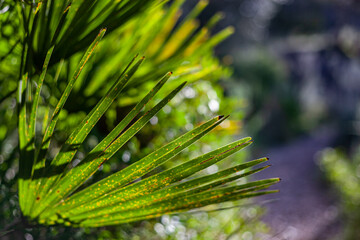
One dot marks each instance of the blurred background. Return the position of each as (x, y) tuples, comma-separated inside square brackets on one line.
[(288, 75), (297, 65)]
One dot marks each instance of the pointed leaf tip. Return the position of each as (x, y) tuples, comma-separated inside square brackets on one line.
[(222, 117), (204, 2), (231, 29), (102, 32), (67, 8)]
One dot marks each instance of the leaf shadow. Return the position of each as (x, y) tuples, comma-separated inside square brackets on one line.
[(53, 170)]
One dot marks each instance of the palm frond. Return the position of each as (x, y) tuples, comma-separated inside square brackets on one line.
[(52, 186), (49, 198)]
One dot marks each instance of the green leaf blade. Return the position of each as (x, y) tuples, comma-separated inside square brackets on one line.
[(120, 141), (78, 175), (135, 170), (187, 202), (50, 129), (143, 199)]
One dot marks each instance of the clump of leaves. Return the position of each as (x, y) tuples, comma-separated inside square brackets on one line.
[(52, 187), (169, 43), (45, 189)]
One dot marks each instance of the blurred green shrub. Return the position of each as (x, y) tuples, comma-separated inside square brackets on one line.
[(273, 112), (343, 172)]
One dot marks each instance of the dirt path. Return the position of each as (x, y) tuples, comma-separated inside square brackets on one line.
[(305, 209)]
